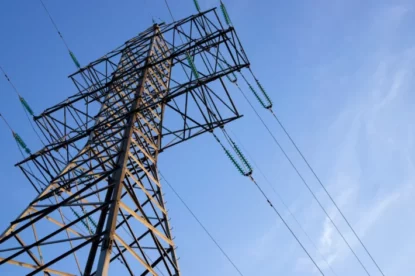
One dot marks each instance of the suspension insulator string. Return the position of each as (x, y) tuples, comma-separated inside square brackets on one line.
[(17, 137), (225, 14), (238, 166), (243, 158), (238, 152), (82, 220), (22, 100), (26, 107), (244, 167), (74, 59), (262, 89), (72, 55), (21, 145), (196, 2), (267, 103), (192, 66), (28, 112)]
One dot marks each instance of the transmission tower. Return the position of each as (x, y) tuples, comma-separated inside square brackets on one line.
[(100, 208)]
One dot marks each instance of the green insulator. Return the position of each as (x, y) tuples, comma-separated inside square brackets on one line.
[(197, 5), (265, 93), (225, 13), (242, 157), (238, 167), (78, 216), (74, 59), (27, 151), (26, 106), (192, 66), (19, 140), (257, 96), (92, 222)]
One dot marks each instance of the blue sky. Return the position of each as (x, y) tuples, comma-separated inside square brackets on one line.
[(341, 76)]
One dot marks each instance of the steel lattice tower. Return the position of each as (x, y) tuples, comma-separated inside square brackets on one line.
[(100, 207)]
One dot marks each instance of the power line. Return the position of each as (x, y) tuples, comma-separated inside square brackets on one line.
[(286, 206), (54, 24), (286, 224), (7, 123), (73, 57), (11, 83), (168, 7), (269, 107), (310, 168), (27, 109), (20, 145), (304, 181), (201, 225), (248, 173), (326, 191)]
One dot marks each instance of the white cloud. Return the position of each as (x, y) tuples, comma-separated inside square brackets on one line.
[(387, 75), (381, 96)]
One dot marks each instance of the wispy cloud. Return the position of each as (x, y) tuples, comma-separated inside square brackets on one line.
[(368, 135), (383, 92)]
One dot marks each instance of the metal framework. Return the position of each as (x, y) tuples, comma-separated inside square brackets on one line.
[(100, 207)]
